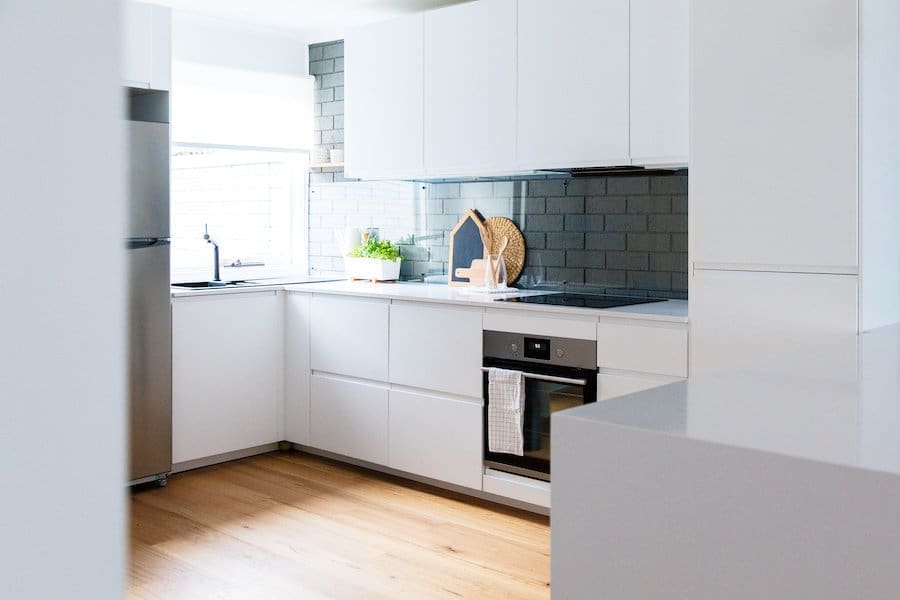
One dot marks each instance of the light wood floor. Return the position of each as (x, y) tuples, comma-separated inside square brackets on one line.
[(292, 525)]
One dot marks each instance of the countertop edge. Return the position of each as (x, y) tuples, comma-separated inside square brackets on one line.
[(483, 302), (643, 312), (843, 464)]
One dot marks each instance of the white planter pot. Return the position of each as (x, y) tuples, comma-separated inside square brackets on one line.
[(374, 269)]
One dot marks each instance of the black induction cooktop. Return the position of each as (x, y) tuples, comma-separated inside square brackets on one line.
[(582, 300)]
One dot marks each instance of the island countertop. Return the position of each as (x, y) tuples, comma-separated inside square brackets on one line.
[(848, 416)]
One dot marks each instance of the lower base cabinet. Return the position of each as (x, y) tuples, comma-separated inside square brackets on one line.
[(349, 418), (437, 437), (226, 373)]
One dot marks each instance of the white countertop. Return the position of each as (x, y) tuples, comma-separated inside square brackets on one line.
[(272, 284), (849, 418), (669, 310)]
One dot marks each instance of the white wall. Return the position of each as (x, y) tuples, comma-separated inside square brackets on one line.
[(62, 434), (880, 164)]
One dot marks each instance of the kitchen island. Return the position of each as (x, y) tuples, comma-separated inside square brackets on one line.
[(753, 484)]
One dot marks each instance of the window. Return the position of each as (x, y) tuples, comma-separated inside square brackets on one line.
[(239, 161), (252, 202)]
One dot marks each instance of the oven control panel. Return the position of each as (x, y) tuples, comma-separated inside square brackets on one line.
[(564, 352), (537, 348)]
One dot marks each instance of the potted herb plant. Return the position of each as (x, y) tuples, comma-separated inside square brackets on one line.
[(378, 260)]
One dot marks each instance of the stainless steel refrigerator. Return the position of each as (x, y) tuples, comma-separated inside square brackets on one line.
[(149, 307)]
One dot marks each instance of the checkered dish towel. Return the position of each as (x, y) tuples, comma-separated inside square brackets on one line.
[(506, 411)]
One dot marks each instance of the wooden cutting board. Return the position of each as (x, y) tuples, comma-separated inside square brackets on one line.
[(475, 273), (469, 241)]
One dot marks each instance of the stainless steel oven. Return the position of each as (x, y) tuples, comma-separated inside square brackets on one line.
[(559, 373)]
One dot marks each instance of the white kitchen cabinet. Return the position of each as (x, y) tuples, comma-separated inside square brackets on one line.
[(147, 46), (384, 81), (296, 367), (349, 336), (540, 323), (436, 347), (572, 83), (437, 437), (470, 88), (752, 321), (643, 347), (774, 135), (614, 385), (227, 373), (659, 81), (349, 418)]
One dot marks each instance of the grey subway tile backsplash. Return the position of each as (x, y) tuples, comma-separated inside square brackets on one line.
[(643, 254)]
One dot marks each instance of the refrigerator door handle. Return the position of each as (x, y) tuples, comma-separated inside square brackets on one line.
[(137, 243)]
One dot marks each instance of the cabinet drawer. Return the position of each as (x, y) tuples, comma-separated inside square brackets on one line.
[(536, 323), (436, 348), (613, 386), (436, 437), (659, 348), (349, 418), (349, 336)]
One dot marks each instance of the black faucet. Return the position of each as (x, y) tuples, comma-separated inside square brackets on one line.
[(217, 280)]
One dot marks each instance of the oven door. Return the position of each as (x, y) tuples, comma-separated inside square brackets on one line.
[(547, 389)]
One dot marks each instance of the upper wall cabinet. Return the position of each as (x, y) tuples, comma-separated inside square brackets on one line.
[(384, 82), (659, 82), (470, 88), (573, 83), (147, 46), (512, 86)]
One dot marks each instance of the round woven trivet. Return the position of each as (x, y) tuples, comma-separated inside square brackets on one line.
[(514, 255)]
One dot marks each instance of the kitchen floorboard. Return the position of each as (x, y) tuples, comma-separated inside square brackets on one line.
[(289, 524)]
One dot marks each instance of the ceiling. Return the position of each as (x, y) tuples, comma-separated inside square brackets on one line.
[(305, 16)]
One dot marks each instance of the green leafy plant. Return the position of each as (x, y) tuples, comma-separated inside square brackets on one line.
[(380, 249)]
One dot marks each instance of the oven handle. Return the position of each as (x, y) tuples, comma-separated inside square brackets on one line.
[(550, 378)]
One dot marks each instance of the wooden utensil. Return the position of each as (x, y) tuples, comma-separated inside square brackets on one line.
[(514, 252), (504, 242)]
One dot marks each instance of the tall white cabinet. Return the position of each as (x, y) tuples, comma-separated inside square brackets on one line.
[(785, 184), (573, 89), (384, 84), (774, 135), (470, 88)]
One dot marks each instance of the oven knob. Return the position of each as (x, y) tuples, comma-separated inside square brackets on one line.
[(513, 348), (560, 353)]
